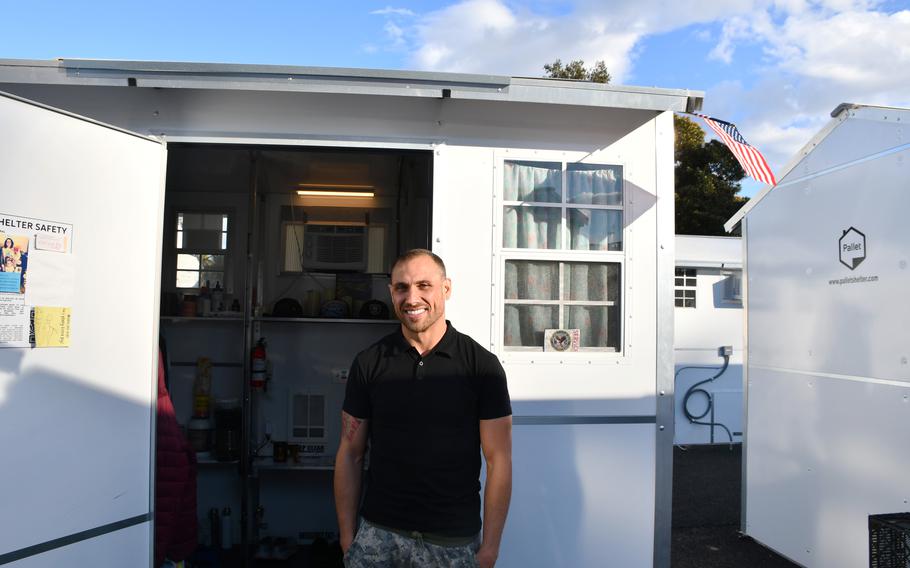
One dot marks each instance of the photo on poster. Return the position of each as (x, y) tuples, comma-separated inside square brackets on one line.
[(13, 263)]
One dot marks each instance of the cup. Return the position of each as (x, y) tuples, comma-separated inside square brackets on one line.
[(294, 452)]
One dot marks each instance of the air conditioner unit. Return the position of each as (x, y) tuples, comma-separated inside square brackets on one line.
[(733, 284), (335, 247)]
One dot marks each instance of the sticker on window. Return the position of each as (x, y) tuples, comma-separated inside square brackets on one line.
[(561, 339)]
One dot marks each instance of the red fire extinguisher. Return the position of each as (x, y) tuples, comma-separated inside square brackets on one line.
[(259, 365)]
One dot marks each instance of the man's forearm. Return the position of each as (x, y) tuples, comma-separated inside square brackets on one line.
[(496, 498), (348, 474)]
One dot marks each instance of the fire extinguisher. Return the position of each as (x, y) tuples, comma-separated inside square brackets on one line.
[(259, 366)]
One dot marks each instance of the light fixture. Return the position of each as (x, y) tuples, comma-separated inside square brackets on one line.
[(335, 190)]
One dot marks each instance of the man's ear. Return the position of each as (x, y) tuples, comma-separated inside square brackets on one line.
[(447, 286)]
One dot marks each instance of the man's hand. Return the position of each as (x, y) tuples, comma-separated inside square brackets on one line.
[(486, 556)]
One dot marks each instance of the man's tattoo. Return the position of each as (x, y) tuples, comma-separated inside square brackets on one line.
[(350, 425)]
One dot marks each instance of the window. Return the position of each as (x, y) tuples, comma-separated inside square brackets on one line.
[(562, 243), (202, 240), (685, 287)]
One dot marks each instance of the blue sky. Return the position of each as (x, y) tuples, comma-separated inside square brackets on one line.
[(775, 67)]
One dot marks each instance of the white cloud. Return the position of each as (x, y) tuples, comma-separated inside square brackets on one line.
[(388, 10), (395, 34), (816, 53)]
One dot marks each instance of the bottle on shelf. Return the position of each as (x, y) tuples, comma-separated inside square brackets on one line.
[(199, 428), (204, 303), (227, 541), (217, 298)]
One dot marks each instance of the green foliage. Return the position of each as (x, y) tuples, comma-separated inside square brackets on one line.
[(576, 70), (707, 181)]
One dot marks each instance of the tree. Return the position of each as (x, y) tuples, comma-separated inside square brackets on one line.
[(707, 181), (576, 70), (707, 174)]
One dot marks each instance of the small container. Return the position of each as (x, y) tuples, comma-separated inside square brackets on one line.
[(227, 534), (280, 452), (199, 433), (228, 423), (188, 306)]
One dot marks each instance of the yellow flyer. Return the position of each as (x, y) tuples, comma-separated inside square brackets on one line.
[(52, 326)]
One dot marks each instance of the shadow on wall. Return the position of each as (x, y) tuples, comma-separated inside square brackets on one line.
[(719, 293), (76, 458)]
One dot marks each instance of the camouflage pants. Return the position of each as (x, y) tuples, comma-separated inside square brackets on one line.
[(374, 547)]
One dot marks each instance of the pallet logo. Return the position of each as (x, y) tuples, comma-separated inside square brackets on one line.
[(852, 247)]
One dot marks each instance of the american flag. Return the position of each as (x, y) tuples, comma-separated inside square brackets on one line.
[(751, 160)]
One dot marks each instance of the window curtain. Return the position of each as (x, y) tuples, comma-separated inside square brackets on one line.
[(528, 226), (593, 283), (594, 229), (530, 280)]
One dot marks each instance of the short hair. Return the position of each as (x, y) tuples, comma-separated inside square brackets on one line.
[(414, 253)]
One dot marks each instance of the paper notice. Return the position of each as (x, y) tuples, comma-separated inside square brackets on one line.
[(55, 243), (52, 326), (14, 321)]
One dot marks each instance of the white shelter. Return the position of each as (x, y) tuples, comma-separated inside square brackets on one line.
[(708, 318), (550, 201), (827, 372)]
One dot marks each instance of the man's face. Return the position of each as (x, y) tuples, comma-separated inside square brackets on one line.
[(419, 293)]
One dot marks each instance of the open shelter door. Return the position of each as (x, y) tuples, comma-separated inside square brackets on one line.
[(81, 208)]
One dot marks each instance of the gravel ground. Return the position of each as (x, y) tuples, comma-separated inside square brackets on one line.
[(706, 512)]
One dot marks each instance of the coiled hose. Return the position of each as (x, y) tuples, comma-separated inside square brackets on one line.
[(694, 389)]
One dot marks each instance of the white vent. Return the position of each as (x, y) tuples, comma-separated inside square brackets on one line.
[(307, 413)]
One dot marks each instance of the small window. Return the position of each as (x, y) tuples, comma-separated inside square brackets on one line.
[(551, 295), (685, 287), (202, 241)]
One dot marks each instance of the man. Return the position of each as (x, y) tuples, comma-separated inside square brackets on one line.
[(427, 399)]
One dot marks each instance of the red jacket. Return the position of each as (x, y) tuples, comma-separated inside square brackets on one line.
[(175, 482)]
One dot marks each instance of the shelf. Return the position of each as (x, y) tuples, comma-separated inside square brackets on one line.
[(179, 319), (213, 462), (325, 320), (321, 463)]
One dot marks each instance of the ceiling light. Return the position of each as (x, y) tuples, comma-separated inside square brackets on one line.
[(317, 193), (335, 190)]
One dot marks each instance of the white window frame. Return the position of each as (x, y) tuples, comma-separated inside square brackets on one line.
[(226, 252), (502, 254), (685, 287)]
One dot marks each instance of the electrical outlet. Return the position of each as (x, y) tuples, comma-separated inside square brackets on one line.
[(725, 351), (340, 376)]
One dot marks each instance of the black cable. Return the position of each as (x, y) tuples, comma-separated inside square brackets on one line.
[(696, 419)]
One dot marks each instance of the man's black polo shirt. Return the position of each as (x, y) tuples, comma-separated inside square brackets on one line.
[(424, 430)]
